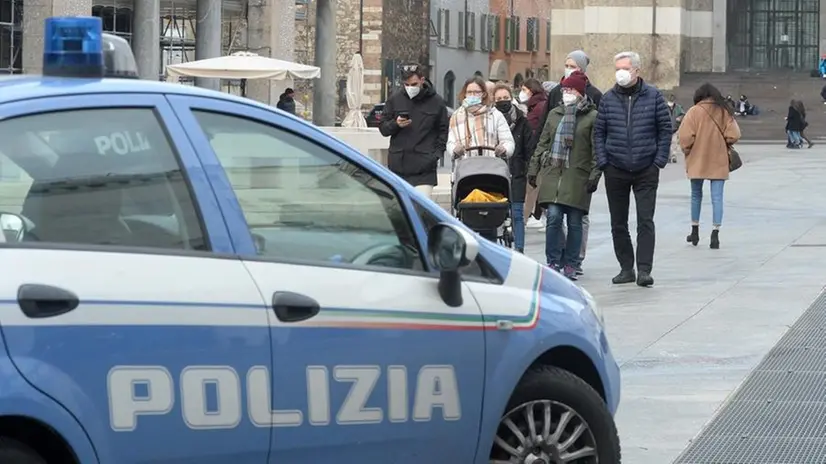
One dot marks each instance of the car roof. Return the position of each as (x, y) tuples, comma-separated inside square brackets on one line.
[(26, 87)]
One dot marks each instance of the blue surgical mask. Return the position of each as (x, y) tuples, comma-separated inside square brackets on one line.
[(472, 100)]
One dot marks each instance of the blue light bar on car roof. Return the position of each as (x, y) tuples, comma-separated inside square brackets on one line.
[(73, 47)]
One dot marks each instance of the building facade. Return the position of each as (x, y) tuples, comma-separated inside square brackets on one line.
[(358, 30), (520, 40), (507, 40), (458, 44), (405, 38), (678, 36)]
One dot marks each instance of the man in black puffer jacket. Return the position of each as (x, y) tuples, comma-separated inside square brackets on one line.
[(415, 119), (632, 140), (286, 101)]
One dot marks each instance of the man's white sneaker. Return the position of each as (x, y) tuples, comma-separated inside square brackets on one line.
[(534, 223)]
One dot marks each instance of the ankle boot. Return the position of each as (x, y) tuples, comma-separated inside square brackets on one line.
[(715, 240), (694, 237)]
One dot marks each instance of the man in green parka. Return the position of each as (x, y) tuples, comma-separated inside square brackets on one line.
[(564, 162)]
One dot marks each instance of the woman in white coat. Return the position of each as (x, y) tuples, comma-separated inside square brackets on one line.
[(478, 124)]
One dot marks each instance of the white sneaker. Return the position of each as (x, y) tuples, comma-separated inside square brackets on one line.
[(534, 223)]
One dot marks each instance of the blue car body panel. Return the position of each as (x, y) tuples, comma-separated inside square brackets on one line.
[(38, 386), (20, 398)]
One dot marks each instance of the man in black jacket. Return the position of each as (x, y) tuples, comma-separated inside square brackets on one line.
[(415, 119), (632, 141), (286, 101)]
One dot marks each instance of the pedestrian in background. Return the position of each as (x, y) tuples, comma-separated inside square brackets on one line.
[(730, 102), (534, 98), (490, 87), (677, 112), (523, 142), (632, 138), (706, 135), (794, 124), (563, 168), (577, 60), (477, 123), (286, 101), (415, 119), (801, 108)]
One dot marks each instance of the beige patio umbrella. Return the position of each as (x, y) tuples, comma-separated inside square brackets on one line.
[(355, 90), (244, 65)]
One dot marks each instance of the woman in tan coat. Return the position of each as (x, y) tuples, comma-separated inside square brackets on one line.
[(707, 132)]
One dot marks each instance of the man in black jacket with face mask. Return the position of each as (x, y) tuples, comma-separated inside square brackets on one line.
[(415, 119)]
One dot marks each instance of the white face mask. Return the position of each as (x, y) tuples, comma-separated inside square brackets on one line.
[(412, 90), (623, 77), (568, 72), (569, 98), (523, 96)]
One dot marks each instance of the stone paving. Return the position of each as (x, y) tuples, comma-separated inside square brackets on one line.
[(689, 341)]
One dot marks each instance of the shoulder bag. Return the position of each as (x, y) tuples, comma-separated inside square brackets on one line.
[(734, 160)]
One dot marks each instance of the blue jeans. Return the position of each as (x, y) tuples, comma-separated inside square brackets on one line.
[(554, 252), (518, 224), (716, 200), (563, 238), (794, 138)]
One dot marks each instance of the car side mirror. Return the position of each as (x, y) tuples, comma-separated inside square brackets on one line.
[(13, 228), (451, 248)]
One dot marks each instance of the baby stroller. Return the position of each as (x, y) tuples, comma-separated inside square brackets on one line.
[(490, 174)]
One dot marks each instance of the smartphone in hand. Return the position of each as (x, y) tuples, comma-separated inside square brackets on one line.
[(404, 115)]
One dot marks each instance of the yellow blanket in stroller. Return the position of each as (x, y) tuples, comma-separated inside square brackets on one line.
[(480, 196)]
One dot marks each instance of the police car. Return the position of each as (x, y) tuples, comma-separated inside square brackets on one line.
[(194, 277)]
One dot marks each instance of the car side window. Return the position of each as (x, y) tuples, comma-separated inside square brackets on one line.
[(305, 202), (429, 221), (112, 179)]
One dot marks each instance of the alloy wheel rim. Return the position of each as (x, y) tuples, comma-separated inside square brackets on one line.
[(544, 432)]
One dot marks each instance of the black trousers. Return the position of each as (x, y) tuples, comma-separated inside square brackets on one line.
[(618, 187)]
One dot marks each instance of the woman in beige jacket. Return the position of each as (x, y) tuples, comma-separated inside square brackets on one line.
[(707, 133)]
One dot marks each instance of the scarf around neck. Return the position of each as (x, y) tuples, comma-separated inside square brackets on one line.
[(560, 153), (510, 117), (470, 126)]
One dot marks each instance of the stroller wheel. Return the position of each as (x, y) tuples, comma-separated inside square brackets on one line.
[(507, 238)]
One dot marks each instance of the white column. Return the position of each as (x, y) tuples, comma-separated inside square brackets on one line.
[(324, 90), (146, 32), (207, 37), (719, 50), (270, 32), (822, 28)]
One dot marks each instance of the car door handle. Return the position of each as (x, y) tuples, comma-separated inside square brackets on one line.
[(38, 301), (294, 307)]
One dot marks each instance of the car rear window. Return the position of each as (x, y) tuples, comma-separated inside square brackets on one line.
[(97, 177)]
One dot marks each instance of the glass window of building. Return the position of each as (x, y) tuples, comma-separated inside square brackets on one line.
[(116, 16)]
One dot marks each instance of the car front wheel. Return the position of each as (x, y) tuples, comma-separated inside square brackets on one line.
[(13, 452), (554, 417)]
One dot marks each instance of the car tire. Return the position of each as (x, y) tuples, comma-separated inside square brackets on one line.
[(14, 452), (557, 389)]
